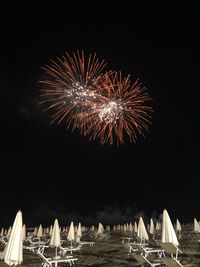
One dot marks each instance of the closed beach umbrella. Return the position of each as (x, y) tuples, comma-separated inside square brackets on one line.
[(135, 227), (12, 253), (50, 230), (100, 229), (2, 232), (40, 231), (35, 231), (55, 237), (178, 225), (158, 226), (79, 231), (196, 226), (23, 232), (168, 232), (71, 233), (9, 231), (151, 228), (141, 231)]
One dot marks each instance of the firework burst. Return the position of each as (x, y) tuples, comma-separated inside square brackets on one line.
[(120, 109), (69, 86), (104, 106)]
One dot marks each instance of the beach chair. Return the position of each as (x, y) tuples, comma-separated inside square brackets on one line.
[(172, 250), (49, 262), (146, 251), (144, 254), (4, 240), (143, 260), (132, 248), (36, 242), (64, 250), (126, 239), (79, 242), (89, 243), (171, 262), (30, 248), (102, 236)]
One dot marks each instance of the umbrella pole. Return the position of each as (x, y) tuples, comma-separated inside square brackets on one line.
[(56, 258), (71, 246)]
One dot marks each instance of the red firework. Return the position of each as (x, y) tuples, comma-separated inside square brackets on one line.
[(119, 109), (69, 86), (104, 106)]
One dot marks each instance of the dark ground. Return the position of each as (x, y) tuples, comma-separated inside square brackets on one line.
[(113, 254)]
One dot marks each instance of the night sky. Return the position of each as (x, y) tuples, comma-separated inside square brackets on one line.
[(47, 171)]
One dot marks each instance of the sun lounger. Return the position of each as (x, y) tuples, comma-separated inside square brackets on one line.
[(171, 249), (141, 259), (37, 243), (171, 262), (102, 237), (64, 250), (131, 247), (145, 250), (49, 262), (91, 244), (4, 240), (30, 248), (125, 238)]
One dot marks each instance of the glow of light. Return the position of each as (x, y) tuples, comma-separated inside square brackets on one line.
[(110, 112)]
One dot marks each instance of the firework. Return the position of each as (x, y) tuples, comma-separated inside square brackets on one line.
[(104, 106), (69, 86), (119, 109)]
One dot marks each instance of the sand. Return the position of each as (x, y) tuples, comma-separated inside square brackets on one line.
[(112, 253)]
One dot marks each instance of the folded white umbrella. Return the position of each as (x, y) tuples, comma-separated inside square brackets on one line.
[(2, 232), (35, 231), (151, 228), (107, 227), (47, 231), (125, 227), (13, 252), (130, 227), (158, 226), (55, 237), (196, 226), (40, 231), (135, 227), (71, 232), (23, 232), (79, 231), (9, 231), (168, 232), (178, 225), (141, 231), (100, 228), (50, 230)]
